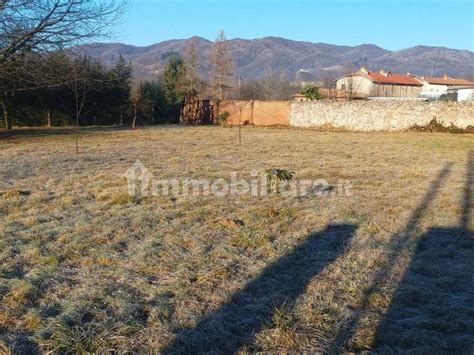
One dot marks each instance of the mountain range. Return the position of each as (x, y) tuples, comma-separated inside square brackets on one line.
[(296, 60)]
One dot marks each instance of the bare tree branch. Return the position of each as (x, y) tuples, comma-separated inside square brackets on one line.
[(48, 25)]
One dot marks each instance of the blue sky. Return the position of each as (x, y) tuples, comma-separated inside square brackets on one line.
[(390, 24)]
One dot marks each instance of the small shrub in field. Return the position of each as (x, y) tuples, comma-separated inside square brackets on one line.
[(222, 117), (311, 92), (275, 176)]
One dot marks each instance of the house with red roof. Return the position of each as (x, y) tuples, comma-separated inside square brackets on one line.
[(434, 87), (366, 83)]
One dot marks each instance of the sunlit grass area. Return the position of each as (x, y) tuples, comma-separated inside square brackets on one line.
[(86, 268)]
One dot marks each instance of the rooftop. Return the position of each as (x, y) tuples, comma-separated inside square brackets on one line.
[(446, 80), (387, 77)]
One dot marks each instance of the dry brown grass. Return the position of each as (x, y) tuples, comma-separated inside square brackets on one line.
[(85, 268)]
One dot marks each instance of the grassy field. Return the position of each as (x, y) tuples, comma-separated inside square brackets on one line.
[(86, 268)]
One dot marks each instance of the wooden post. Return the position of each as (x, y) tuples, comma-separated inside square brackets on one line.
[(48, 117)]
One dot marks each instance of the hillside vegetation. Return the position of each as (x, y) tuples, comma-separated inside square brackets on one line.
[(258, 57)]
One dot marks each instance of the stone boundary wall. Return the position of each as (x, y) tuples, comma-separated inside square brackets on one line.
[(380, 115), (259, 113)]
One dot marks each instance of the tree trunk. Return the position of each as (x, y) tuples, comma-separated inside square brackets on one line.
[(217, 112), (48, 117), (134, 116), (6, 119), (76, 132)]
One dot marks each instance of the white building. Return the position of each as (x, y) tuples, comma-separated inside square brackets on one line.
[(434, 87), (464, 93), (366, 83)]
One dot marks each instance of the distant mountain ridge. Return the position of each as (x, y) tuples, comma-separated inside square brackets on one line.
[(280, 56)]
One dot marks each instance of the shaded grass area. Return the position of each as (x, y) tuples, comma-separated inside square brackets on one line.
[(275, 289), (433, 305), (84, 268)]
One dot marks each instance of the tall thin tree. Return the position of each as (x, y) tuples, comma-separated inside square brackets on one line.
[(191, 65), (123, 76), (222, 67)]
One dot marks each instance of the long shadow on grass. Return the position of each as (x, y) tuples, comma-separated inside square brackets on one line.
[(433, 306), (280, 283), (400, 243)]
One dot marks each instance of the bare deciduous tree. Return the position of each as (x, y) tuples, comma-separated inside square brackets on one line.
[(31, 30), (45, 25), (191, 65), (80, 85), (328, 77), (222, 67), (349, 80), (80, 80)]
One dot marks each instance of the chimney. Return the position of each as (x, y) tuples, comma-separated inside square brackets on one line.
[(408, 73), (445, 77), (364, 70), (385, 73)]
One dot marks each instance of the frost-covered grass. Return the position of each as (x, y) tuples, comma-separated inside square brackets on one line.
[(86, 268)]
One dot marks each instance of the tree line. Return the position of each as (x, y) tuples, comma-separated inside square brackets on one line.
[(77, 90), (39, 81), (62, 87), (45, 81)]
